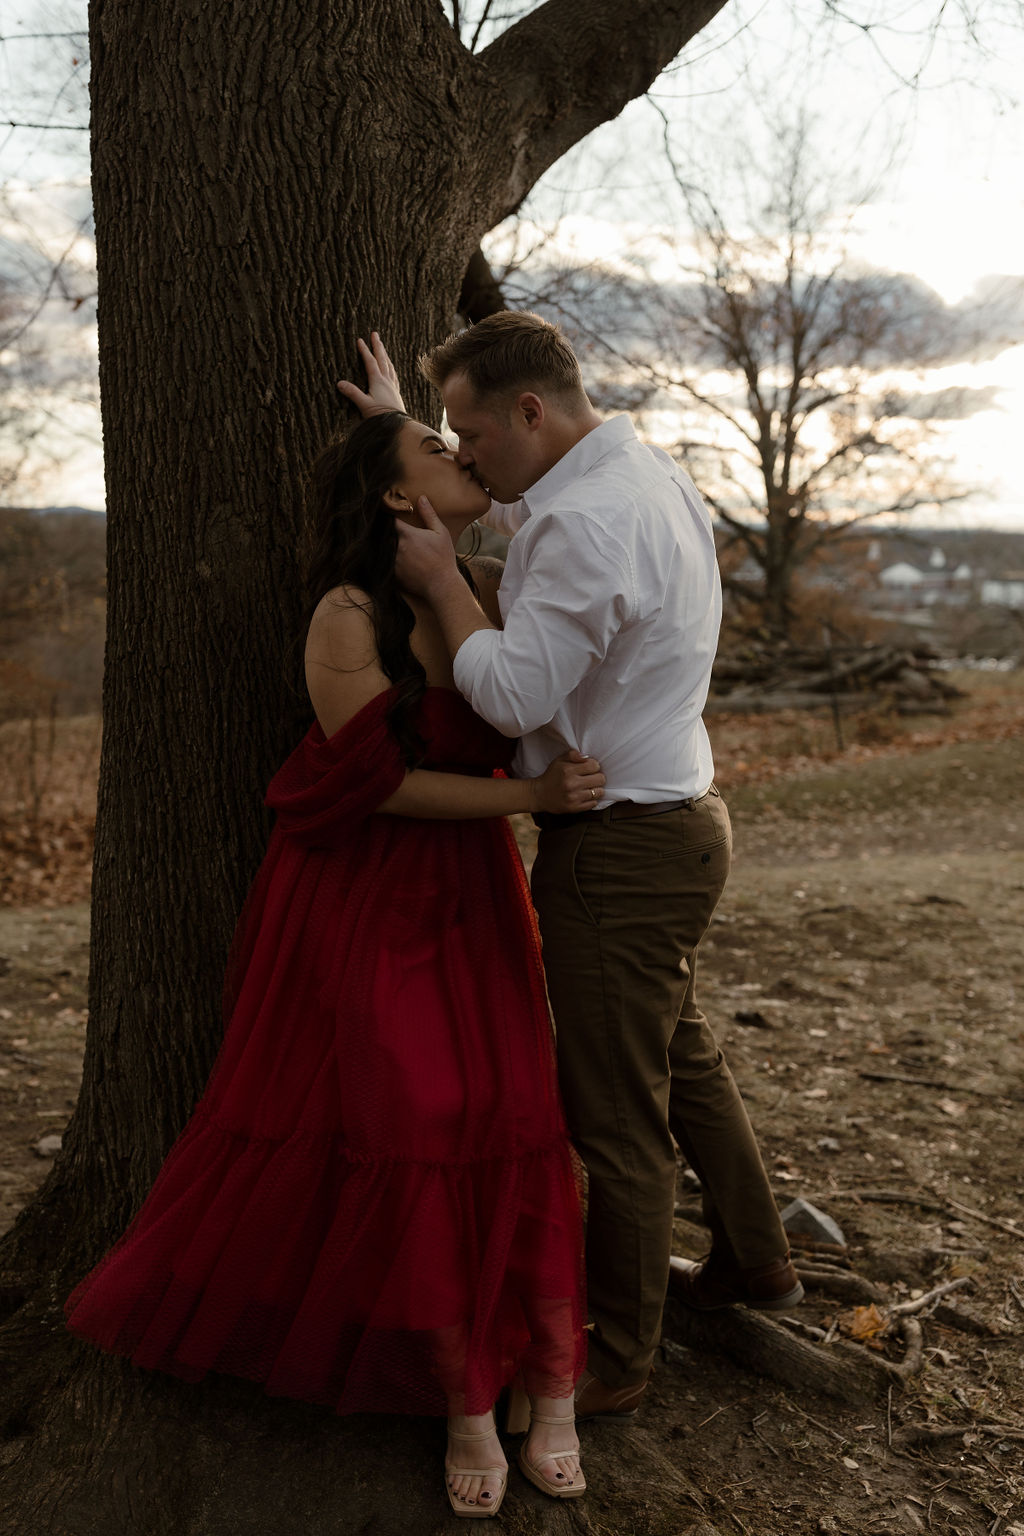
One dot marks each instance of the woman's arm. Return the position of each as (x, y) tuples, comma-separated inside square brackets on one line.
[(343, 674), (571, 783)]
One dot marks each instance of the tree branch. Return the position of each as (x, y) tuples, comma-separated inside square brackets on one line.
[(571, 65), (481, 292)]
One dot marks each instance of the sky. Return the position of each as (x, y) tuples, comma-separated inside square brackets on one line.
[(919, 138)]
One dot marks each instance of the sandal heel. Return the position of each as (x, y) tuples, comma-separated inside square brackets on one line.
[(517, 1411)]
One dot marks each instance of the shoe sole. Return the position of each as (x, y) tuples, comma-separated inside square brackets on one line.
[(792, 1298), (608, 1418)]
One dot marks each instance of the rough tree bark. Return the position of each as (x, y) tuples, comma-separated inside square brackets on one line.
[(269, 181)]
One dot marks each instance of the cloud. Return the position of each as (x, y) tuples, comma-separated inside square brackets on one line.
[(957, 403), (883, 319)]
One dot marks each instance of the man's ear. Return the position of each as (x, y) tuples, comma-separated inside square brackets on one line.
[(531, 410), (397, 500)]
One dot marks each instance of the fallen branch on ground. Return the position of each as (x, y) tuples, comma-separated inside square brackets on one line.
[(922, 1434), (847, 677), (993, 1221), (883, 1197), (928, 1082)]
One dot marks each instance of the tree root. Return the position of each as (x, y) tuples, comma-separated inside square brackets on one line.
[(844, 1370), (839, 1282)]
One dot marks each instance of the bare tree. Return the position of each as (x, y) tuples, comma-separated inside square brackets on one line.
[(795, 371)]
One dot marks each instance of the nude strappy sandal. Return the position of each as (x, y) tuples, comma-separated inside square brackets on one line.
[(475, 1511), (529, 1470)]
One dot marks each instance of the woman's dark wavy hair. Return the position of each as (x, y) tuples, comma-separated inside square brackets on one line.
[(354, 541)]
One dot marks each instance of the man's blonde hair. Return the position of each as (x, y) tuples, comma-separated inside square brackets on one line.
[(506, 353)]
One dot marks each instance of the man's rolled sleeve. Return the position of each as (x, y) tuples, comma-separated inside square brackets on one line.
[(577, 593)]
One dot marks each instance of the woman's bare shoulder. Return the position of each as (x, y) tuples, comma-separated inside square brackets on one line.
[(342, 622), (343, 599)]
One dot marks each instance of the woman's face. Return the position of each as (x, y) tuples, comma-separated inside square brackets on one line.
[(430, 468)]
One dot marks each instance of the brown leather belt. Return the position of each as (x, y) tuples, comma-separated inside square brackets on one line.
[(619, 810)]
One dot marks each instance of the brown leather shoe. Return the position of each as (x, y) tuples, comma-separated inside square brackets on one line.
[(714, 1283), (616, 1405)]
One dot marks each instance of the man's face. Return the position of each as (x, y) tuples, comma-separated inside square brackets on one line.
[(495, 442)]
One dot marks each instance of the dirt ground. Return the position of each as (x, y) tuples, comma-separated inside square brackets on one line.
[(865, 974)]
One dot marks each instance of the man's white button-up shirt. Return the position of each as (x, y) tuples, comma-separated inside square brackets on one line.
[(611, 604)]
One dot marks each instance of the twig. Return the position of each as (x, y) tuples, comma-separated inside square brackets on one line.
[(925, 1082), (888, 1415), (886, 1197), (993, 1221), (843, 1439), (908, 1308), (756, 1432), (921, 1434), (805, 1330)]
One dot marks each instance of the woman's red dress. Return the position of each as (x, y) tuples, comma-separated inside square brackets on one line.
[(374, 1205)]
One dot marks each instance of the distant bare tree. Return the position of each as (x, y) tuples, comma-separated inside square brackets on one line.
[(794, 371)]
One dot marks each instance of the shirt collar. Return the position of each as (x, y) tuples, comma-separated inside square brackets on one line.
[(580, 460)]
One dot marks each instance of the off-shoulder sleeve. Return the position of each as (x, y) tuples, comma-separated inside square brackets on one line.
[(330, 784)]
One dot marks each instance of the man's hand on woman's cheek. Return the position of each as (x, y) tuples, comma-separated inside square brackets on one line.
[(425, 561)]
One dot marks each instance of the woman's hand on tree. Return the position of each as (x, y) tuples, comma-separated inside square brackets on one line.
[(382, 392), (570, 783)]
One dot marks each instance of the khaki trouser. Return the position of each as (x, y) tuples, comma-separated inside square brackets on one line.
[(622, 906)]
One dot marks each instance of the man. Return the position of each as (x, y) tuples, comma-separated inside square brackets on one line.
[(611, 605)]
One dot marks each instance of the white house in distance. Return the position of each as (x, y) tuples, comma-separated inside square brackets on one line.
[(1005, 591), (908, 584), (902, 577)]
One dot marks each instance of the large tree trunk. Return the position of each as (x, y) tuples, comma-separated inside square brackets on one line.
[(269, 182)]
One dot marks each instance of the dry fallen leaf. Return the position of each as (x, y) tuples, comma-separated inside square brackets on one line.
[(864, 1322)]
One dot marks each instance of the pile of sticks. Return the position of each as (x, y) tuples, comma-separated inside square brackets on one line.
[(762, 678)]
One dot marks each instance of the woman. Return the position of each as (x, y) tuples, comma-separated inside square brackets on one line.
[(375, 1206)]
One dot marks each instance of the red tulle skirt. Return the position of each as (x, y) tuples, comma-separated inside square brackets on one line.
[(375, 1206)]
